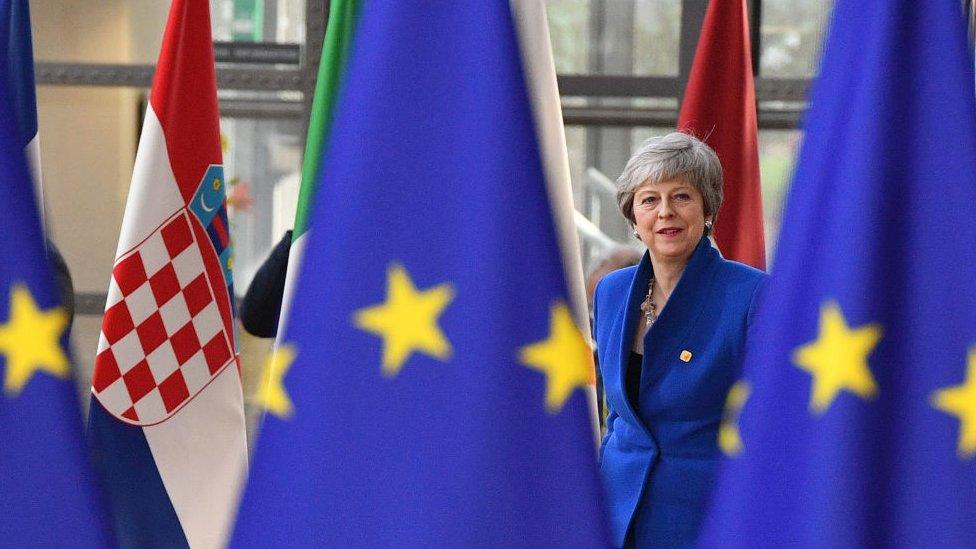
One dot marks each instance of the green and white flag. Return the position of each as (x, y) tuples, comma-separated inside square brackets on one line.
[(335, 51)]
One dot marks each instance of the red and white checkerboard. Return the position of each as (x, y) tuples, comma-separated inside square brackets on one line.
[(163, 339)]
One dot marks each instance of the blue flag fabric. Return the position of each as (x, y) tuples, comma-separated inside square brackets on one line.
[(859, 422), (429, 390), (48, 496), (16, 51)]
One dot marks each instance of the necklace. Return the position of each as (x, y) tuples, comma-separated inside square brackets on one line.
[(650, 311)]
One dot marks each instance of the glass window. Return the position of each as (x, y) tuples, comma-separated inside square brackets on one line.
[(657, 32), (615, 37), (568, 30), (130, 31), (281, 21), (262, 159), (792, 33), (777, 157)]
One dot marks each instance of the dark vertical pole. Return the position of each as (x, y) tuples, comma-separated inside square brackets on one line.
[(316, 19), (755, 36), (692, 17)]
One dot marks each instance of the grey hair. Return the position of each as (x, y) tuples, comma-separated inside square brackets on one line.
[(672, 156)]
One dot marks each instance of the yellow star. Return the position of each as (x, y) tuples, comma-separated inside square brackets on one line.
[(272, 395), (960, 401), (838, 359), (407, 320), (729, 439), (565, 358), (30, 340)]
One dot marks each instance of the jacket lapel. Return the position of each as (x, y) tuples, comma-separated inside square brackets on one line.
[(632, 314), (686, 301), (678, 315)]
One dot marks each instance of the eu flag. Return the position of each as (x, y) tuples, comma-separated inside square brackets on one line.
[(429, 388), (855, 424), (48, 496)]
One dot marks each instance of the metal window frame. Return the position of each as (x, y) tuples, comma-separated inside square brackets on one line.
[(768, 90), (302, 79)]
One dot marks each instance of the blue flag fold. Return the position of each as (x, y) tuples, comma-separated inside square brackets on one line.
[(855, 423), (431, 387), (17, 52), (48, 496)]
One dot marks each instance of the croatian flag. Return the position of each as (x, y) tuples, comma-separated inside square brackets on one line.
[(167, 416)]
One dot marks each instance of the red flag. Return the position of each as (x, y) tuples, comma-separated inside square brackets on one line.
[(720, 107)]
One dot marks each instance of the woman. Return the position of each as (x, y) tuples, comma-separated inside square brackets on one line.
[(670, 336)]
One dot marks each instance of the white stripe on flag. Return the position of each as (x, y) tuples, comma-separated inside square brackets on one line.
[(530, 19), (33, 152), (295, 254), (153, 194), (540, 75), (201, 458)]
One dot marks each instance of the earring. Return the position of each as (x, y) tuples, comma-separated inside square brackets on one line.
[(708, 224), (636, 234)]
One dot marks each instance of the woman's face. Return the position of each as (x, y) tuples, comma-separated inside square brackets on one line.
[(670, 219)]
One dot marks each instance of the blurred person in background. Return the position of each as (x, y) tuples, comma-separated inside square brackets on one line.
[(612, 259), (261, 305)]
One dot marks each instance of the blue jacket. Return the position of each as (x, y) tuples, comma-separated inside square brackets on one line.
[(658, 466)]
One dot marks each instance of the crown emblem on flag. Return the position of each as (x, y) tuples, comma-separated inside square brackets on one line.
[(209, 204), (163, 338)]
